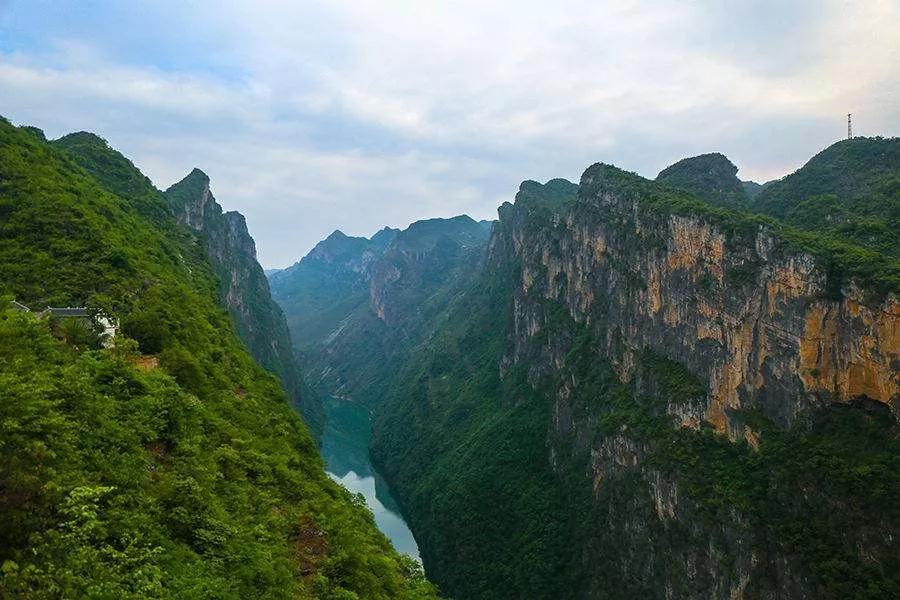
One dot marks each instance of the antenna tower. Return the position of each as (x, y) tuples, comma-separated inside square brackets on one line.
[(849, 127)]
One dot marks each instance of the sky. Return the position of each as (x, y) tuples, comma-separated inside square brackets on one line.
[(356, 114)]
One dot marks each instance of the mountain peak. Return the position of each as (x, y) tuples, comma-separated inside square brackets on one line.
[(189, 198), (197, 174), (382, 238), (36, 131), (81, 137), (710, 176)]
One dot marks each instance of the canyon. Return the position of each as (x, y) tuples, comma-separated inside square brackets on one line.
[(634, 387)]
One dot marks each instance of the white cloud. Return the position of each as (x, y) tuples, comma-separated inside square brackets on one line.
[(364, 113)]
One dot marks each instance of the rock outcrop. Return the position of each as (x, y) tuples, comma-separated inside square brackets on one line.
[(748, 315), (243, 287)]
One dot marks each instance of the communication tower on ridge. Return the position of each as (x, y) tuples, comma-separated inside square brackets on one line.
[(849, 127)]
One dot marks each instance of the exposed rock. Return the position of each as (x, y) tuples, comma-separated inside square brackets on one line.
[(243, 287), (748, 316)]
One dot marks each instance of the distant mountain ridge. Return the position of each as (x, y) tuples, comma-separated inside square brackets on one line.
[(376, 296)]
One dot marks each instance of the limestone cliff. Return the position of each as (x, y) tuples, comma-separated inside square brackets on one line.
[(749, 315), (749, 320), (645, 395), (243, 287), (360, 305)]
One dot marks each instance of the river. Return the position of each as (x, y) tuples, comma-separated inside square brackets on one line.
[(345, 448)]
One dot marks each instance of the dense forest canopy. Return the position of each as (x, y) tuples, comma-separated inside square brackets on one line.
[(171, 465)]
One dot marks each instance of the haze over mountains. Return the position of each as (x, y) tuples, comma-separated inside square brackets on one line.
[(632, 388), (681, 387)]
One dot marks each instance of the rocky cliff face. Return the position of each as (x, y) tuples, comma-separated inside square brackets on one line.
[(361, 304), (243, 287), (749, 316), (749, 322), (325, 299), (421, 263), (714, 393)]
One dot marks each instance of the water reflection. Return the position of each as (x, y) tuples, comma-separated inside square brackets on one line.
[(345, 448)]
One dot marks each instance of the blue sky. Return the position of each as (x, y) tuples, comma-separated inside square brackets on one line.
[(351, 115)]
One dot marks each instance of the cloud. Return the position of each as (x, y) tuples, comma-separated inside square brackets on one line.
[(361, 113)]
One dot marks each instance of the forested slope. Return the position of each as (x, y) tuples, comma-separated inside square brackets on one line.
[(563, 420), (243, 288), (645, 395), (171, 465)]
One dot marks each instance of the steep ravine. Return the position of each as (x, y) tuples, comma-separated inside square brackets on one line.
[(682, 372), (170, 465), (628, 391)]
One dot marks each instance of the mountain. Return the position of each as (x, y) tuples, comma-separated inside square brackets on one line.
[(752, 189), (848, 191), (860, 171), (170, 465), (328, 284), (243, 287), (711, 177), (361, 305), (633, 390)]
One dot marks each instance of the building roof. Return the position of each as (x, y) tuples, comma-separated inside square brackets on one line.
[(68, 311)]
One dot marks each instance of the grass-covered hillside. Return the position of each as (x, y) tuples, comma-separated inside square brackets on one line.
[(850, 190), (711, 177), (170, 466)]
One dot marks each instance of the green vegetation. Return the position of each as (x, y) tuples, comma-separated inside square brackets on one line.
[(244, 289), (849, 191), (116, 173), (752, 189), (861, 172), (123, 479), (465, 450), (711, 177), (348, 350), (548, 477), (258, 319), (502, 505), (841, 257), (324, 287)]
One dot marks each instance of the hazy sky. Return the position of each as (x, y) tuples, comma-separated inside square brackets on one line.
[(313, 116)]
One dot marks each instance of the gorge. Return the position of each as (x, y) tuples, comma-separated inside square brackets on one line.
[(345, 451), (680, 387), (632, 388)]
